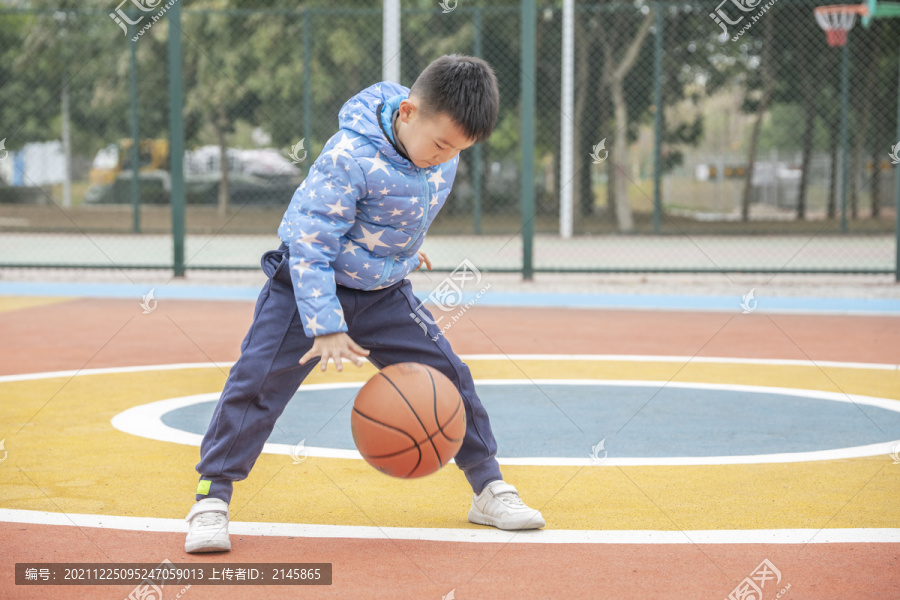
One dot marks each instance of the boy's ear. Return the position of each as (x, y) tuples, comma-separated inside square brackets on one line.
[(407, 109)]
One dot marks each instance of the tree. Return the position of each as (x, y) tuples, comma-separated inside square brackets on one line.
[(217, 66), (863, 88), (808, 100), (70, 45), (884, 101), (767, 75), (614, 72)]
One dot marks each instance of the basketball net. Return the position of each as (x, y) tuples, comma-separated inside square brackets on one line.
[(837, 20)]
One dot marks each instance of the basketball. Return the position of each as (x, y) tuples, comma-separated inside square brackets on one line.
[(408, 421)]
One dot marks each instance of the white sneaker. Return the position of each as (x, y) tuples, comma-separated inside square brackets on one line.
[(499, 505), (208, 527)]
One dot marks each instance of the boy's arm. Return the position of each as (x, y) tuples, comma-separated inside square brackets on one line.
[(322, 210)]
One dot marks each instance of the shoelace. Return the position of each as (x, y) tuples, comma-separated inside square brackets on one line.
[(210, 520)]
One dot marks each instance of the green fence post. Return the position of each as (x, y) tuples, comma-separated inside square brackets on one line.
[(477, 176), (476, 150), (176, 138), (845, 166), (307, 96), (527, 115), (135, 144), (897, 196), (657, 118)]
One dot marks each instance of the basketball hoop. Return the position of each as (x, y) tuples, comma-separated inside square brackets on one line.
[(838, 19)]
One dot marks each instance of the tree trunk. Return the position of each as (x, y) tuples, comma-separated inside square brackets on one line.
[(614, 76), (751, 158), (808, 131), (768, 79), (875, 185), (868, 94), (611, 190), (224, 197), (855, 157), (485, 176), (832, 184), (620, 157), (67, 144), (602, 125)]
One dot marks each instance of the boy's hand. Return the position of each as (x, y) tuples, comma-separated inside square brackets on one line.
[(423, 260), (336, 347)]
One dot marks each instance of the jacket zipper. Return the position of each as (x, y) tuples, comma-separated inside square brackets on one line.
[(385, 272), (427, 201), (389, 264)]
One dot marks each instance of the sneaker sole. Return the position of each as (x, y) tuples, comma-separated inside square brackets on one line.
[(479, 518), (207, 546)]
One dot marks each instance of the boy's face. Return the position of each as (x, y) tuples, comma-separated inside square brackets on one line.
[(428, 141)]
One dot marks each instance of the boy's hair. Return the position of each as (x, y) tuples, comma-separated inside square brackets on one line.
[(462, 87)]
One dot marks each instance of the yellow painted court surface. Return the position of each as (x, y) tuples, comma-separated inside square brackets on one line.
[(69, 458), (11, 303)]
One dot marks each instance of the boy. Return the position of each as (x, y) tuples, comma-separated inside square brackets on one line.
[(337, 286)]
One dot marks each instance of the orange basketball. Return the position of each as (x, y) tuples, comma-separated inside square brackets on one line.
[(408, 420)]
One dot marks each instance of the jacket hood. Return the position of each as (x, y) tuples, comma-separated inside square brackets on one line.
[(369, 113)]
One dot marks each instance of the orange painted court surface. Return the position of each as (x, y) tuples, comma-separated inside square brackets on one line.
[(614, 530)]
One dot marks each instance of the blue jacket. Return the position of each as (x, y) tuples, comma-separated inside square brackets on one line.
[(361, 213)]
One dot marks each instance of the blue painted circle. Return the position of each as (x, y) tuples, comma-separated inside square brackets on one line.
[(552, 420)]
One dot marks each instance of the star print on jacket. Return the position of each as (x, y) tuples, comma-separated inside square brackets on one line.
[(348, 223)]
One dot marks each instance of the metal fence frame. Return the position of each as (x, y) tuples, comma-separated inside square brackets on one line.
[(528, 11)]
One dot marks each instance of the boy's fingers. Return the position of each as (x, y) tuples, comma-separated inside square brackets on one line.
[(337, 355), (427, 261), (358, 349)]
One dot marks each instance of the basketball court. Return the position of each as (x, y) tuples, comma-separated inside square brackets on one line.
[(680, 441), (671, 452)]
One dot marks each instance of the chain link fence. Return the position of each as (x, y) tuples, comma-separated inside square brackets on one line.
[(697, 145)]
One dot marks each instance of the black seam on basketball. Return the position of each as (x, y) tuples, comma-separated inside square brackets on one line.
[(416, 415), (391, 455), (415, 444), (408, 448), (455, 412), (365, 416)]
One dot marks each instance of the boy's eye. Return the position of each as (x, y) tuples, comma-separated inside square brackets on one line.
[(438, 146)]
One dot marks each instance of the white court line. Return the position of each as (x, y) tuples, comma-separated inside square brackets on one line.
[(543, 536), (548, 357), (146, 421), (114, 370), (685, 359)]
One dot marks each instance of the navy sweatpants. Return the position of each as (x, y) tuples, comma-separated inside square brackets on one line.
[(268, 373)]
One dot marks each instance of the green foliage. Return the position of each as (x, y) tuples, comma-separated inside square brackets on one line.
[(783, 130), (245, 67)]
